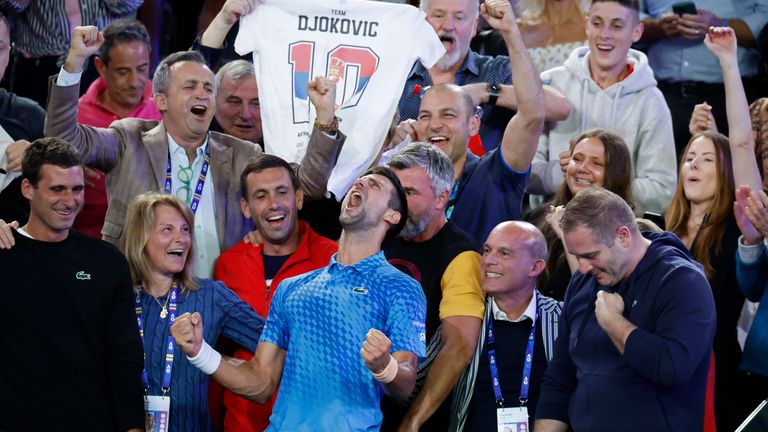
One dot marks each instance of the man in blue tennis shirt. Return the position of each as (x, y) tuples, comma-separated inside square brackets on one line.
[(319, 321)]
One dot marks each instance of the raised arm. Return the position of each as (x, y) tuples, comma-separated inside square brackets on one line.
[(556, 106), (323, 148), (521, 137), (721, 41), (230, 13), (100, 147), (255, 380)]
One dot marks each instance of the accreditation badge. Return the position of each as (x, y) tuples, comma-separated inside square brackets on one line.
[(157, 411), (512, 419)]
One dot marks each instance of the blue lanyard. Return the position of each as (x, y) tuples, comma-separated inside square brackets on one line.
[(452, 199), (170, 347), (200, 181), (526, 368)]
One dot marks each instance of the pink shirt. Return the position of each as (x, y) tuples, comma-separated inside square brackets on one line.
[(92, 113)]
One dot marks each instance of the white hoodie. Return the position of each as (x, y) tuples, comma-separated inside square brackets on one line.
[(633, 108)]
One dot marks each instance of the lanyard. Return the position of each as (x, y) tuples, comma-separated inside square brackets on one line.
[(170, 346), (452, 199), (200, 181), (526, 368)]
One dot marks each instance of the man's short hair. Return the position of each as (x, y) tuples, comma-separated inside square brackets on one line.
[(261, 162), (430, 158), (633, 5), (235, 70), (601, 211), (397, 200), (51, 151), (122, 31), (466, 99), (162, 78)]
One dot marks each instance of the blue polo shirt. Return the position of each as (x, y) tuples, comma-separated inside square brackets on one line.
[(487, 193), (321, 319)]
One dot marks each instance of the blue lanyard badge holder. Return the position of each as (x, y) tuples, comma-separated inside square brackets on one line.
[(513, 419), (157, 408)]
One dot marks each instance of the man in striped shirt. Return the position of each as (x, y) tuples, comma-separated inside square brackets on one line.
[(43, 31), (516, 342)]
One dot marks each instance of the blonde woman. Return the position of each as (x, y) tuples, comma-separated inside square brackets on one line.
[(159, 248)]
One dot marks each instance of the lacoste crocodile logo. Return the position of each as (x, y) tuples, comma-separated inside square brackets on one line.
[(81, 275)]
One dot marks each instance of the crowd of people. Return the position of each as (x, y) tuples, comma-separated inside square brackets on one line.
[(560, 222)]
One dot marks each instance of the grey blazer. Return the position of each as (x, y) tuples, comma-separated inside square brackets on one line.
[(134, 154)]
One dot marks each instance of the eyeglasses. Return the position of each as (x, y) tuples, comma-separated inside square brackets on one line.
[(184, 192)]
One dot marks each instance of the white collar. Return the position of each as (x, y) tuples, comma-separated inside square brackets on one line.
[(528, 313), (24, 233), (174, 147)]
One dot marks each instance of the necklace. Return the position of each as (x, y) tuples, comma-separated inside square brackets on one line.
[(164, 310)]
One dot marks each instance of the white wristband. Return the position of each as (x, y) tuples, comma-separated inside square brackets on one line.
[(389, 373), (207, 360)]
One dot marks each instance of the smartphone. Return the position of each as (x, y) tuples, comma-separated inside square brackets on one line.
[(687, 7)]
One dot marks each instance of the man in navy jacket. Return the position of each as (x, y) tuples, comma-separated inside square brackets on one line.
[(636, 332)]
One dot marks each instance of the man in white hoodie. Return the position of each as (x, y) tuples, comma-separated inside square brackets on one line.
[(611, 86)]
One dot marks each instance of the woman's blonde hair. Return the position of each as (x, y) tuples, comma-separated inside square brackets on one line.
[(139, 223)]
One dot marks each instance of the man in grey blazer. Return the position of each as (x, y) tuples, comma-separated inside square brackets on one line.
[(176, 153)]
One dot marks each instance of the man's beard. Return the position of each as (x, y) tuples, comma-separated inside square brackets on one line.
[(450, 59), (416, 228)]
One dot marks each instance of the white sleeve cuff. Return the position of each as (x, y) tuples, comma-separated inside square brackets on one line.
[(66, 79), (749, 253)]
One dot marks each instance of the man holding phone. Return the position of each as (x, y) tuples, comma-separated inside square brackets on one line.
[(687, 73)]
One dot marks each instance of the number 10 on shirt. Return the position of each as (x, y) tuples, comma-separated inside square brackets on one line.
[(351, 67)]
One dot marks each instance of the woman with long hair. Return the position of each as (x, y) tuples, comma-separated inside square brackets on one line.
[(599, 158), (701, 214), (158, 244)]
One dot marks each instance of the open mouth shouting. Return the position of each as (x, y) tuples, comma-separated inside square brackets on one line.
[(448, 40), (355, 200), (199, 111)]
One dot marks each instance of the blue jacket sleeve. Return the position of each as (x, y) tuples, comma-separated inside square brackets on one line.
[(239, 321), (683, 333), (752, 277), (559, 380)]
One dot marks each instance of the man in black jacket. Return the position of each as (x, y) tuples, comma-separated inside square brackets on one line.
[(21, 121)]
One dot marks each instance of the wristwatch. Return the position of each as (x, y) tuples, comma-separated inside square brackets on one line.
[(494, 91)]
